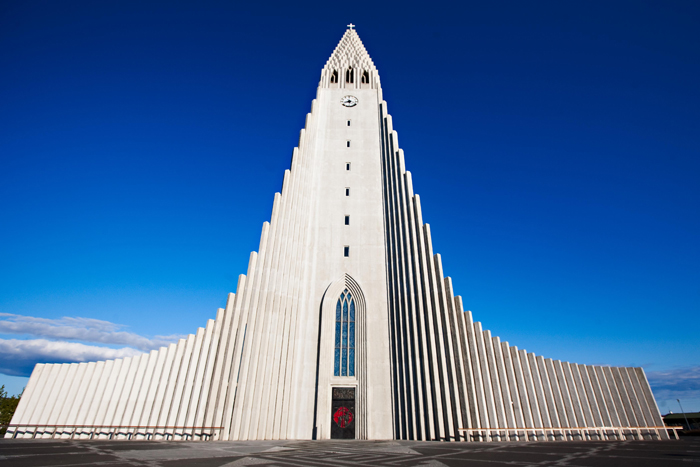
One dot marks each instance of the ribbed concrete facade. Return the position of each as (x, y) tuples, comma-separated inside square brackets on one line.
[(346, 230)]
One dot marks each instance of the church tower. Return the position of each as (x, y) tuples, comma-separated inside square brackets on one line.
[(344, 325), (314, 301)]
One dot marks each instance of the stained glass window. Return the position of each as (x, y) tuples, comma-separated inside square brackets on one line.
[(344, 357)]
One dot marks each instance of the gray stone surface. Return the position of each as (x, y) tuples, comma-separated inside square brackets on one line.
[(37, 453)]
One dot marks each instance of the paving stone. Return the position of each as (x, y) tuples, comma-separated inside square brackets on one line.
[(28, 453)]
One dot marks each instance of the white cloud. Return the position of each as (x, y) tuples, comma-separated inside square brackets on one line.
[(80, 329), (18, 357), (679, 379), (679, 383)]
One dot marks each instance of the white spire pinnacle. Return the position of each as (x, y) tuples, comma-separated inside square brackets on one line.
[(350, 66)]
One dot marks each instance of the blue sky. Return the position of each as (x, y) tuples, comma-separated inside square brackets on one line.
[(554, 145)]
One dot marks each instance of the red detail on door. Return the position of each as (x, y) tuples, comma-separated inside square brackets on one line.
[(343, 417)]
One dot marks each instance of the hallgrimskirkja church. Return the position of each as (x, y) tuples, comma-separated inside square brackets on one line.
[(344, 326)]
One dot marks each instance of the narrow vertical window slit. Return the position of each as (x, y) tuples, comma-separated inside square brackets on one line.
[(344, 352)]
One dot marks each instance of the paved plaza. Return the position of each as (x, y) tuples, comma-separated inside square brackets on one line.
[(36, 453)]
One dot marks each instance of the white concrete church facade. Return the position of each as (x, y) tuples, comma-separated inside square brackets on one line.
[(344, 325)]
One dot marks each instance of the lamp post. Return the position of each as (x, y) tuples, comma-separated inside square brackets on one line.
[(684, 415)]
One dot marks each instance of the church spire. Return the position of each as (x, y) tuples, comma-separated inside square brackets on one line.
[(350, 66)]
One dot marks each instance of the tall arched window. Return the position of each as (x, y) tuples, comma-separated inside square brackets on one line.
[(349, 75), (334, 76), (344, 362), (365, 77)]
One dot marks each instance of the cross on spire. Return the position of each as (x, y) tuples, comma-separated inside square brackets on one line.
[(351, 26)]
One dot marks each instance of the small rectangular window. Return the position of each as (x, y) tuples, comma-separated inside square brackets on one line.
[(348, 122), (346, 251), (348, 143), (347, 192), (347, 220), (347, 166)]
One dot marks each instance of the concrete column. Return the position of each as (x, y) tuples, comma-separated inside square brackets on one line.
[(483, 420), (180, 386), (508, 403), (651, 402), (147, 382), (191, 385), (574, 396), (612, 398), (532, 393), (125, 408), (195, 416), (27, 403), (464, 319), (595, 398), (66, 392), (485, 377), (435, 429), (81, 398), (88, 410), (548, 394), (246, 373), (563, 390), (496, 392), (625, 398), (156, 393), (523, 414), (117, 398), (164, 402)]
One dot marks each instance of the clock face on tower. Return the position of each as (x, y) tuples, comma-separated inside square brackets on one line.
[(349, 101)]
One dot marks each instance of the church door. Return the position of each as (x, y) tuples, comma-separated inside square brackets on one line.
[(343, 413)]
